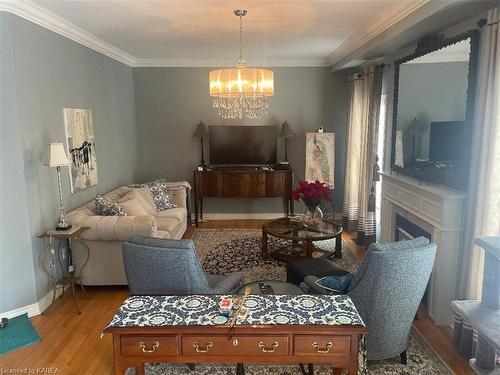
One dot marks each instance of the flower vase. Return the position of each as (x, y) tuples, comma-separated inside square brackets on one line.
[(312, 216)]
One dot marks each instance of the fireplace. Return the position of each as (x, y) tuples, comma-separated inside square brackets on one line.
[(409, 210)]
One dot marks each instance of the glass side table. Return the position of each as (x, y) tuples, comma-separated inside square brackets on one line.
[(71, 277)]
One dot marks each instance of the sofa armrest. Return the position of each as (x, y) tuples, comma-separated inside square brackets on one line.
[(114, 228)]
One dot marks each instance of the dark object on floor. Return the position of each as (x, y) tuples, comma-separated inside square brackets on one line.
[(4, 322), (319, 267), (386, 291), (404, 359), (18, 334), (156, 266)]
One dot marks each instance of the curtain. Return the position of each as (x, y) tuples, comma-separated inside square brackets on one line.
[(365, 91), (483, 206)]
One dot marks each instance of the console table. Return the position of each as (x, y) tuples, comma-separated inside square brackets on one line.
[(322, 329), (242, 183)]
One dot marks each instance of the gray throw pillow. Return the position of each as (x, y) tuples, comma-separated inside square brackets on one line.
[(159, 192), (104, 207)]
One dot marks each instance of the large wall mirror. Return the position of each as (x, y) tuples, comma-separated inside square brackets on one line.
[(433, 108)]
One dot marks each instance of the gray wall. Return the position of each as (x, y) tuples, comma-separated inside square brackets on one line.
[(431, 92), (43, 72), (171, 101)]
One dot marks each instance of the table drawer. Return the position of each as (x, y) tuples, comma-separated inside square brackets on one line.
[(237, 345), (321, 345), (145, 345)]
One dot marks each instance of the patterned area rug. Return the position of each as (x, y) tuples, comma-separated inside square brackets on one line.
[(225, 251)]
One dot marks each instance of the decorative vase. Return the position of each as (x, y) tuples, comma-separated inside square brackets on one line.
[(312, 216)]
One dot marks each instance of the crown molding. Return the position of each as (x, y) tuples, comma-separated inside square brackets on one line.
[(43, 17), (373, 30), (229, 63)]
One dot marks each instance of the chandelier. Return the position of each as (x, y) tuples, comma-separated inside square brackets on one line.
[(241, 90)]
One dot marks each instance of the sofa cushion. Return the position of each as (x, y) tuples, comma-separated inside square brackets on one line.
[(133, 204), (104, 207), (178, 213), (143, 192), (161, 197), (166, 223)]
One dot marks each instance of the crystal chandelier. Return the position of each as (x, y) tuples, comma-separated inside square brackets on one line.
[(241, 90)]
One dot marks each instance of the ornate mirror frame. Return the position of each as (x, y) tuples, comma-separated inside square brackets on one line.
[(427, 45)]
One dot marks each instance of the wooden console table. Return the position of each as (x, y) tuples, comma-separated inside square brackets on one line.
[(242, 183), (279, 329)]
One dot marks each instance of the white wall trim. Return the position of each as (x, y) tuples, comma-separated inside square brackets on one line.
[(218, 63), (397, 14), (34, 309), (35, 13)]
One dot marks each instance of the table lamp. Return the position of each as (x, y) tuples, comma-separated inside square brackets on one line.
[(58, 159), (201, 132), (286, 132)]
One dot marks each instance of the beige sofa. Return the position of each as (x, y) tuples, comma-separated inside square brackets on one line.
[(106, 233)]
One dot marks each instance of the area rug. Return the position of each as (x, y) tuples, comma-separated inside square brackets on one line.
[(18, 333), (225, 251)]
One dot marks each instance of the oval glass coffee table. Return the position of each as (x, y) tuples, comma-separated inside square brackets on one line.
[(301, 238), (272, 287)]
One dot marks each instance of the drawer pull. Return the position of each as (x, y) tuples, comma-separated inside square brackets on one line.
[(153, 348), (328, 346), (207, 347), (273, 347)]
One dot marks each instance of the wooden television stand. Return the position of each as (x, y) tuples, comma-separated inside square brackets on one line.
[(242, 182)]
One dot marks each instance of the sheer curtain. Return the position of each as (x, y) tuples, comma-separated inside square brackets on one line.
[(483, 215), (365, 91)]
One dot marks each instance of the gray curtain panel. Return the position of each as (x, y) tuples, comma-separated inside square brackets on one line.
[(483, 211), (365, 92)]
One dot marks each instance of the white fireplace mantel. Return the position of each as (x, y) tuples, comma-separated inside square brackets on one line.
[(439, 211)]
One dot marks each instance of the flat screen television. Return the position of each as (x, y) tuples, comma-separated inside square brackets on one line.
[(242, 145), (447, 141)]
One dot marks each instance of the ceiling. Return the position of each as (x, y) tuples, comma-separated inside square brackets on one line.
[(202, 30), (332, 33)]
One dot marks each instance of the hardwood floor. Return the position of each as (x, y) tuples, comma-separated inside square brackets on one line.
[(71, 343)]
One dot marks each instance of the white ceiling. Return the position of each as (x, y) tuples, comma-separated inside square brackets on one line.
[(335, 33), (205, 32)]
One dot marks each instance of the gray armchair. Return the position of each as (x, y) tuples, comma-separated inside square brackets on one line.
[(157, 266), (387, 290)]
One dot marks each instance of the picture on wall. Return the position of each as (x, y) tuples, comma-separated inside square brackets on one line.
[(320, 157), (81, 148)]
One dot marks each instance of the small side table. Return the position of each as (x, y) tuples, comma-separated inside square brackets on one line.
[(72, 277)]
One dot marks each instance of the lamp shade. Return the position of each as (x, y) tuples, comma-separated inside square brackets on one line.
[(201, 130), (57, 155), (416, 127), (286, 131)]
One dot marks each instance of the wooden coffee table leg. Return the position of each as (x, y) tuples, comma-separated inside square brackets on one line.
[(309, 248), (263, 246), (338, 246)]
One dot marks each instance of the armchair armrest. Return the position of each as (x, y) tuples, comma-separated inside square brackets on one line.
[(229, 284), (114, 228)]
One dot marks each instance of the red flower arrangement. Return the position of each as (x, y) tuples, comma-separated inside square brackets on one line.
[(312, 193)]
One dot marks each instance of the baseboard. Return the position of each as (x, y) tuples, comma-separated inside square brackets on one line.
[(241, 216), (33, 309)]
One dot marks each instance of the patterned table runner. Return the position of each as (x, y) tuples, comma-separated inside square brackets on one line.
[(149, 311)]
